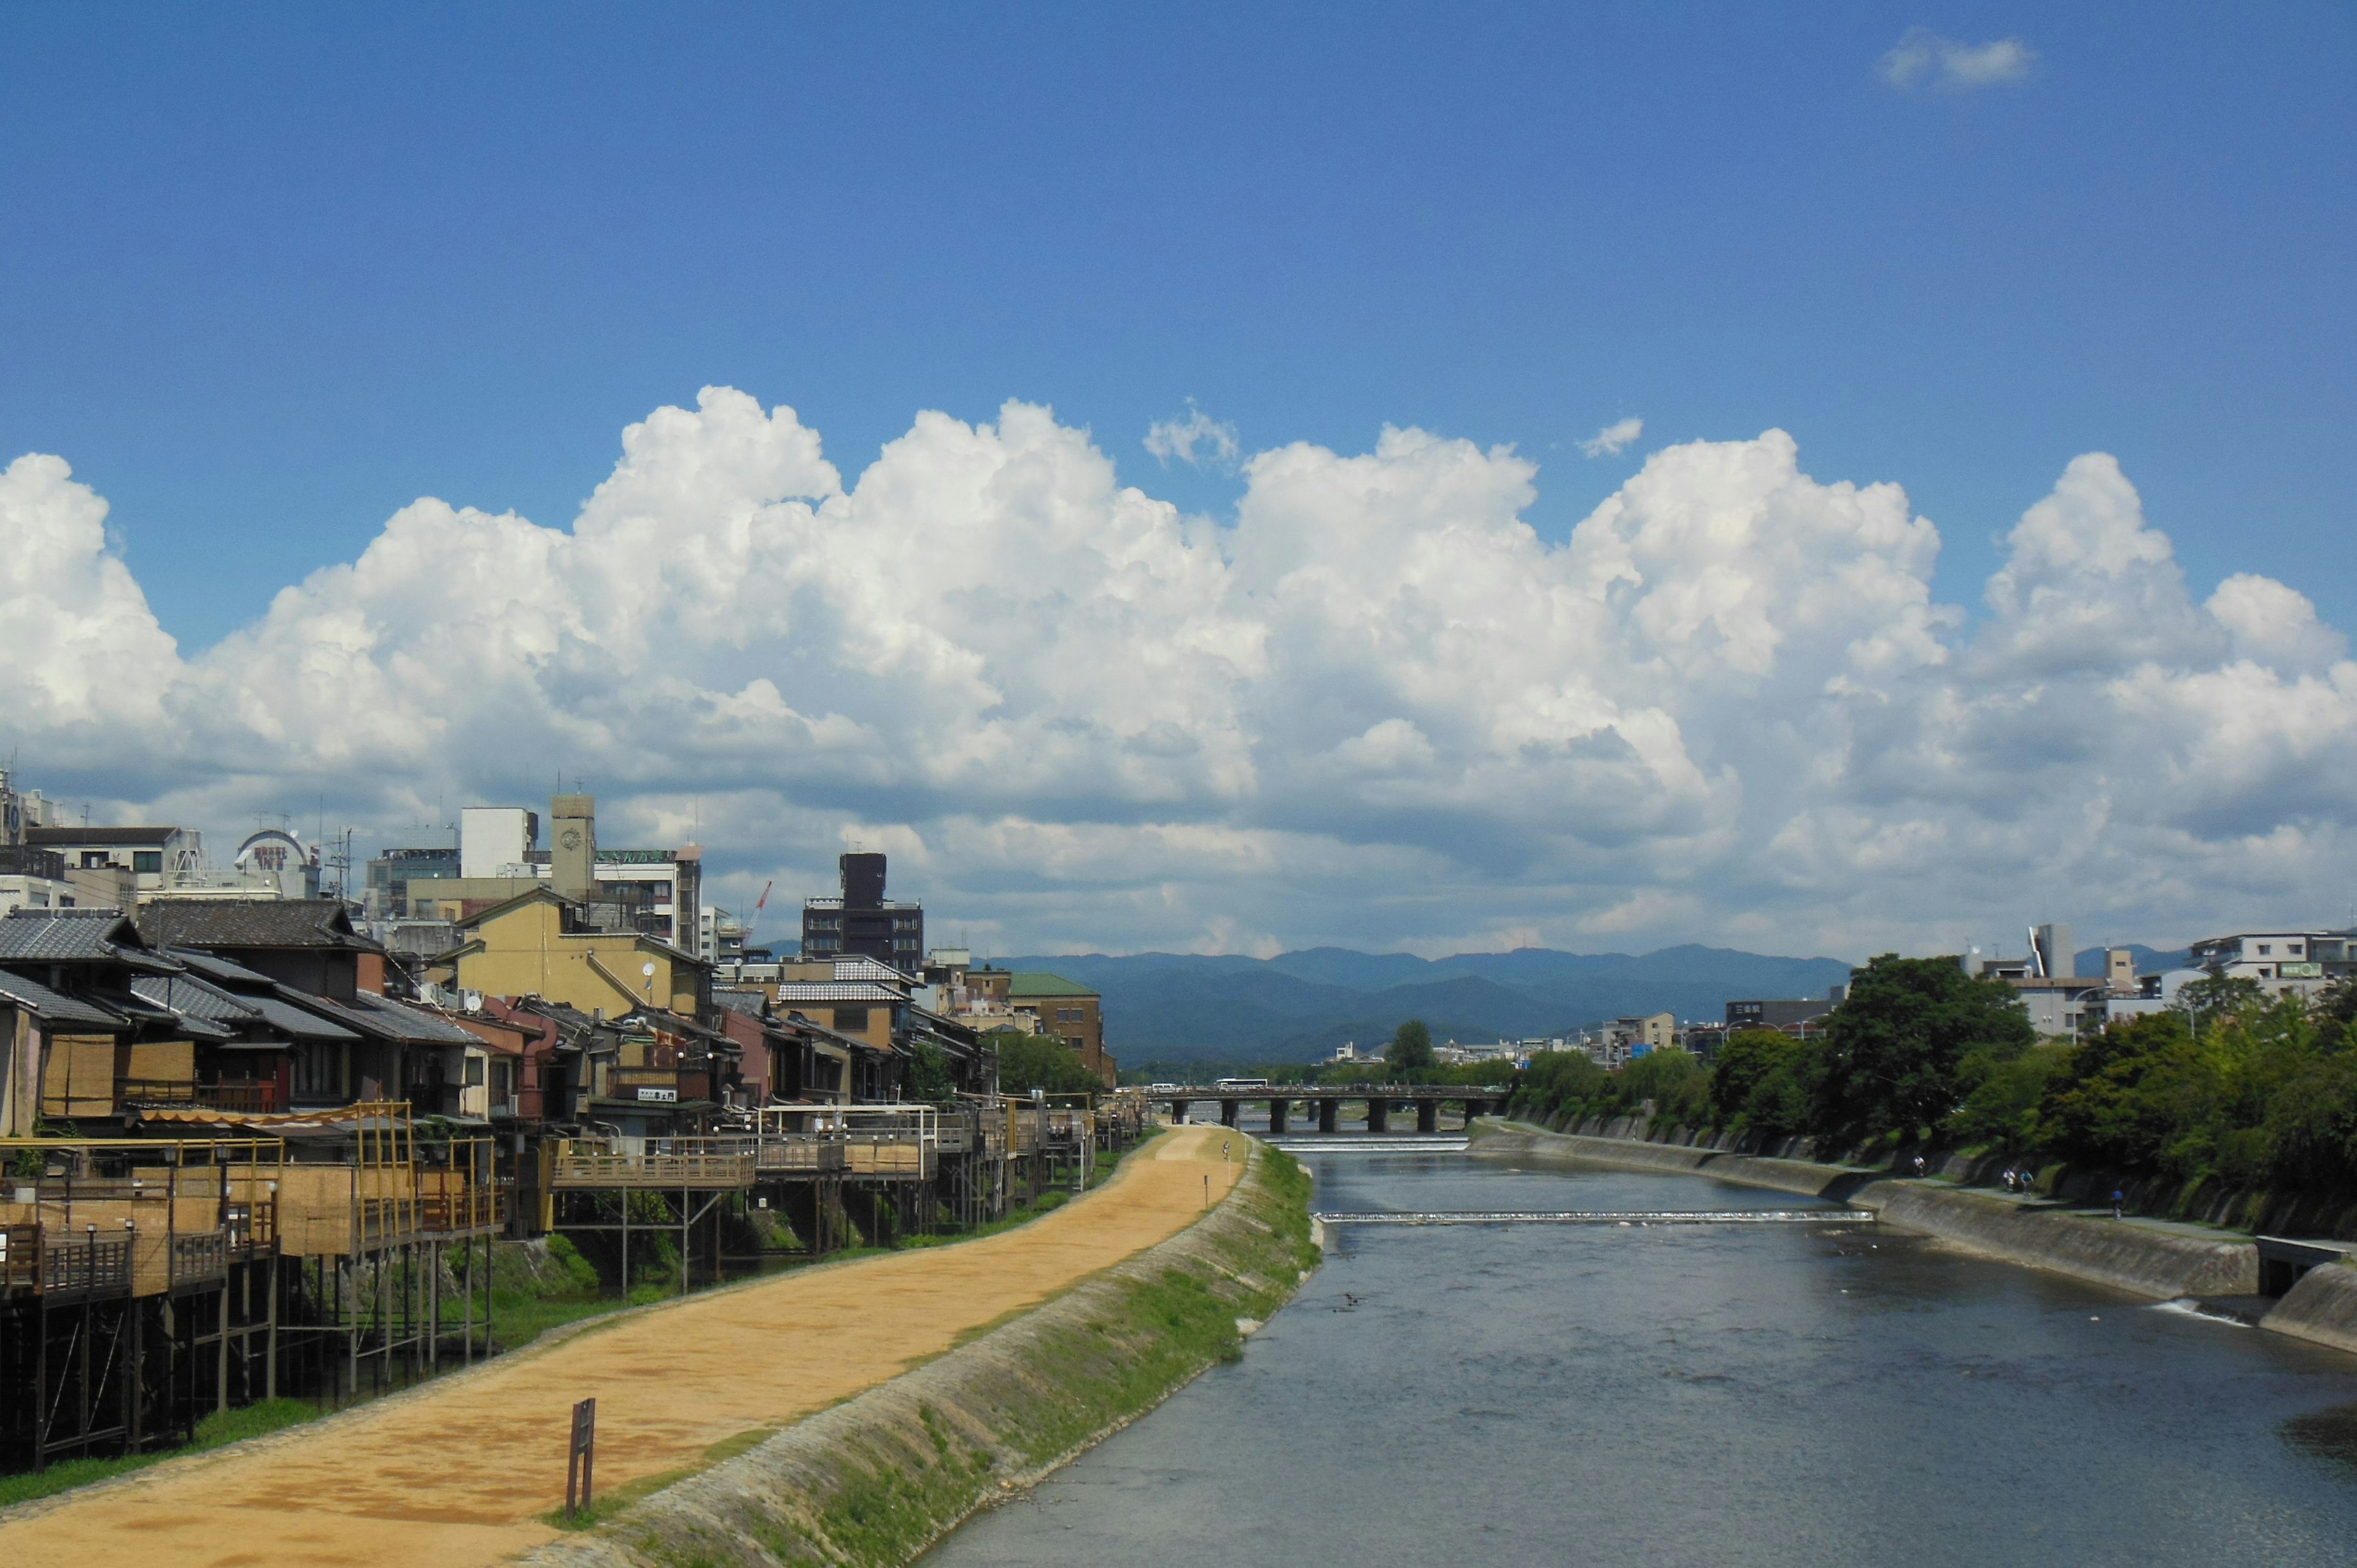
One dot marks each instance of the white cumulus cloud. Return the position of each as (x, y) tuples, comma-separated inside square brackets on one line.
[(1180, 438), (1376, 708), (1926, 59), (1613, 439)]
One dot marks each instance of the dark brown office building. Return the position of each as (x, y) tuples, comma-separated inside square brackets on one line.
[(863, 923)]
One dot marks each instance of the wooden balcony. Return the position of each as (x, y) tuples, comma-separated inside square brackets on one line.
[(576, 1164)]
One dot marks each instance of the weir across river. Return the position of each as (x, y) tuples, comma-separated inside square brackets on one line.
[(1326, 1103)]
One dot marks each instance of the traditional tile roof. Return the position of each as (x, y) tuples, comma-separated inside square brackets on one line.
[(863, 990), (74, 936), (47, 1004), (214, 967), (862, 967), (251, 923), (423, 1026), (193, 998), (299, 1022)]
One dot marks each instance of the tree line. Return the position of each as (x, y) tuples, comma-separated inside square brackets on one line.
[(2227, 1086)]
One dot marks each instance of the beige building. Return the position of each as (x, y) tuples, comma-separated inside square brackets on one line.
[(539, 943)]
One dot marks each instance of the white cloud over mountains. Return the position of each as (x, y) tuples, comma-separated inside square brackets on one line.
[(1374, 709)]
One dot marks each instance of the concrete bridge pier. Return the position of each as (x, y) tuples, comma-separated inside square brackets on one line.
[(1177, 1112), (1330, 1115), (1277, 1111), (1427, 1116), (1229, 1109), (1378, 1114)]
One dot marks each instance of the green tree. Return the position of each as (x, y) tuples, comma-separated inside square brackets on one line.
[(1673, 1082), (1027, 1062), (2112, 1103), (929, 1077), (1559, 1088), (2217, 995), (1410, 1052), (1890, 1060), (1762, 1083), (2002, 1096)]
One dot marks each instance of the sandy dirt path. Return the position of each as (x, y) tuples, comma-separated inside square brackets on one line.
[(460, 1471)]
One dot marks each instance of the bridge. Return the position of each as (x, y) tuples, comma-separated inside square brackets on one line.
[(1326, 1102)]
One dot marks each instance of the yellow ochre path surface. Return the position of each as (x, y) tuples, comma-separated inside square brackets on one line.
[(460, 1471)]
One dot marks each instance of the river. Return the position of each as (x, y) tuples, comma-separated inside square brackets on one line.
[(1725, 1395)]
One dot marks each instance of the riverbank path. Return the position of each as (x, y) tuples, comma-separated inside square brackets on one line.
[(460, 1471)]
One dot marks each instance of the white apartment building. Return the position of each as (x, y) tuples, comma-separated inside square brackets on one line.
[(2303, 962)]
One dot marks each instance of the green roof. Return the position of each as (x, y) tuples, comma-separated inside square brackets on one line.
[(1044, 985)]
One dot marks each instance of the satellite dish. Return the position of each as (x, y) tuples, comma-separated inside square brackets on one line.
[(647, 970)]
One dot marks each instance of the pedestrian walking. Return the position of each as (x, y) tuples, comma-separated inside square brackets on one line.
[(2118, 1198)]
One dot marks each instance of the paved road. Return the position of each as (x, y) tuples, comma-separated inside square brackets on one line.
[(460, 1471)]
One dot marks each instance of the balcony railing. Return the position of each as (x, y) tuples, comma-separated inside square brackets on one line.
[(243, 1096), (203, 1257), (88, 1264)]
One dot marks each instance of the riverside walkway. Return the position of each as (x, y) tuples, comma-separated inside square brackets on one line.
[(460, 1471)]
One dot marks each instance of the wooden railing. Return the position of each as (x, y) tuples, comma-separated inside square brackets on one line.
[(154, 1091), (93, 1263), (245, 1097), (574, 1168), (201, 1257), (477, 1209), (799, 1154)]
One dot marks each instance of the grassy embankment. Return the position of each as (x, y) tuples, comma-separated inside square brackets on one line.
[(877, 1480)]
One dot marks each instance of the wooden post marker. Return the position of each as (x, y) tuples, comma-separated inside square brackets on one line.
[(583, 1458)]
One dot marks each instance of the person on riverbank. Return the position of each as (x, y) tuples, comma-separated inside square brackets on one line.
[(2119, 1199), (2009, 1179)]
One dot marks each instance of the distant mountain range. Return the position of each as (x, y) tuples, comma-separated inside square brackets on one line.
[(1298, 1006)]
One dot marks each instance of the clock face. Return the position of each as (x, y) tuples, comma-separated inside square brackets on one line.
[(571, 838)]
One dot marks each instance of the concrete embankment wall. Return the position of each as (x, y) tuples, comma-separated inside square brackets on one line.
[(877, 1480), (2323, 1306), (2128, 1257), (1630, 1153)]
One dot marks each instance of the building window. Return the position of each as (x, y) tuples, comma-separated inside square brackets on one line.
[(318, 1072), (2265, 950), (148, 862), (851, 1020), (475, 1066)]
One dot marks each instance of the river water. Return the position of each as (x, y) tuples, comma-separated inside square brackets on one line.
[(1723, 1395)]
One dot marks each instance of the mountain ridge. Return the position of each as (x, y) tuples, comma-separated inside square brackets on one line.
[(1297, 1006)]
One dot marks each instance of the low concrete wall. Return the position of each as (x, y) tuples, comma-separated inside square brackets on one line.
[(2323, 1306), (1505, 1138), (2128, 1257), (877, 1480)]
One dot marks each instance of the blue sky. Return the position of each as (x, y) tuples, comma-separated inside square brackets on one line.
[(270, 276)]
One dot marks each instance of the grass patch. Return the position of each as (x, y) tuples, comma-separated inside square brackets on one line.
[(216, 1431)]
